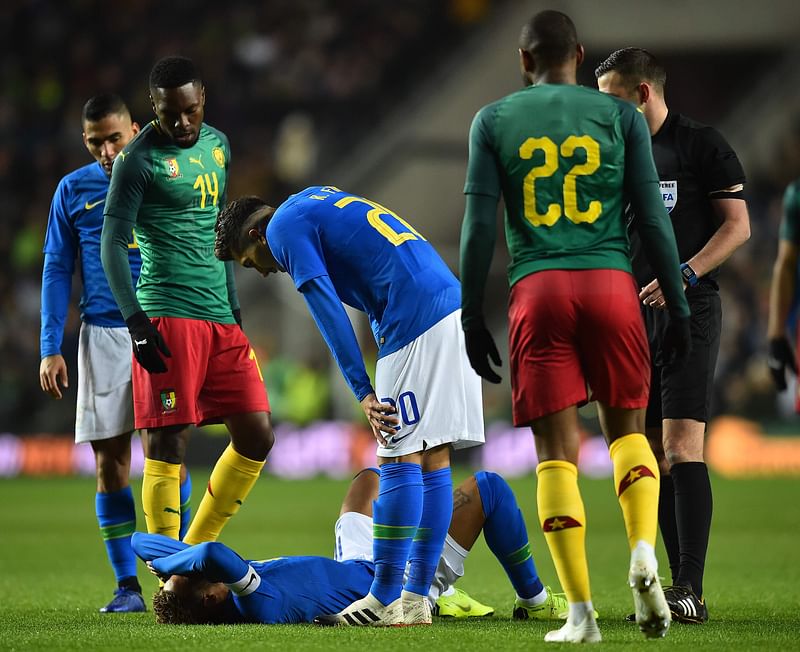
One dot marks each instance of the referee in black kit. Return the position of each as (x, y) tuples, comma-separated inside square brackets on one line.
[(702, 183)]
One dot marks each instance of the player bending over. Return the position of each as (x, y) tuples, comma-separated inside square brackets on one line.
[(210, 583)]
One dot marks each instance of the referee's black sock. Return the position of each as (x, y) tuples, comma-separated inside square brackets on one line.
[(693, 508), (668, 525)]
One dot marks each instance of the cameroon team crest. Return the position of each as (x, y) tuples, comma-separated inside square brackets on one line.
[(669, 193), (168, 400), (219, 156), (173, 169)]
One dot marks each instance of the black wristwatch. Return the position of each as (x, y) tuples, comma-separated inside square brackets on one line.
[(688, 275)]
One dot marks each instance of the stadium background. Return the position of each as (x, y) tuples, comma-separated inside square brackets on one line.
[(376, 98)]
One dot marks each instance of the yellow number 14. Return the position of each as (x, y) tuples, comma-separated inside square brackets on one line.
[(208, 185)]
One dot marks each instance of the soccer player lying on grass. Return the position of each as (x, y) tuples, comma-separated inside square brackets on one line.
[(210, 583)]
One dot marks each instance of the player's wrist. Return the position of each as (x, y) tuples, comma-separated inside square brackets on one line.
[(689, 275), (137, 320)]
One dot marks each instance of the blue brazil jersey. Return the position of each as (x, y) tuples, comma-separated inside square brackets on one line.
[(376, 261), (73, 231), (281, 590), (298, 589)]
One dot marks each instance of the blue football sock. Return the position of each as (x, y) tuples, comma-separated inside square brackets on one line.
[(116, 516), (506, 535), (395, 517), (426, 549), (186, 506)]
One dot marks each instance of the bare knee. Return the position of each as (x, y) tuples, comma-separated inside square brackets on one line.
[(251, 434), (112, 462), (167, 444), (362, 492)]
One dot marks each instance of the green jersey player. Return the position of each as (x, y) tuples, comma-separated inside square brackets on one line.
[(194, 363), (564, 158)]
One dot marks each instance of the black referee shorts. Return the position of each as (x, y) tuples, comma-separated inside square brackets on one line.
[(686, 393)]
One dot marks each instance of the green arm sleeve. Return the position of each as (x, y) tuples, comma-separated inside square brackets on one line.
[(478, 234), (114, 255), (653, 223), (230, 281), (790, 225), (482, 189)]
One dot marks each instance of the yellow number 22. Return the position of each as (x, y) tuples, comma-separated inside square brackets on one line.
[(548, 168)]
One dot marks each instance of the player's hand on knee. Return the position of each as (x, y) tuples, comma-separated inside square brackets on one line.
[(780, 356), (480, 349), (148, 345), (380, 417), (677, 344)]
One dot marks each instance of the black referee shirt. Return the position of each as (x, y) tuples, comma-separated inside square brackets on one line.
[(693, 160)]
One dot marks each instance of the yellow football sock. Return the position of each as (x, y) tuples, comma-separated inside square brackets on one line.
[(231, 480), (636, 479), (161, 497), (563, 521)]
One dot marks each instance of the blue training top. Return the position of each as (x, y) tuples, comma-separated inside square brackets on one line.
[(341, 248), (74, 227), (283, 590)]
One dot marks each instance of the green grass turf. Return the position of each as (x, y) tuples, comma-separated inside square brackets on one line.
[(53, 573)]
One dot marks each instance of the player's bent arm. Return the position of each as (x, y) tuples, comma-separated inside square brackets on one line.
[(478, 235), (733, 232), (116, 264), (213, 560), (782, 288), (334, 324), (154, 546)]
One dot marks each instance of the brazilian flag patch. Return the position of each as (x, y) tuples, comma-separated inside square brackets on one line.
[(168, 400)]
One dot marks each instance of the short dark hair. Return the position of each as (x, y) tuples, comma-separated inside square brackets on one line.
[(230, 225), (635, 65), (550, 36), (99, 106), (173, 72), (171, 608)]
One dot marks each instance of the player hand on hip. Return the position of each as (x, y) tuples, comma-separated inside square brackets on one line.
[(780, 356), (677, 343), (379, 417), (147, 342), (480, 349)]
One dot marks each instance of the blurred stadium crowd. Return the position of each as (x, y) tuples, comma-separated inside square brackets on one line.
[(295, 84)]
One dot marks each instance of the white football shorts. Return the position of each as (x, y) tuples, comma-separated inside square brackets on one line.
[(436, 392), (105, 390), (353, 532)]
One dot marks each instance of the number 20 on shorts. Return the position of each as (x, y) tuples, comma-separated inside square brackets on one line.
[(551, 153), (406, 405)]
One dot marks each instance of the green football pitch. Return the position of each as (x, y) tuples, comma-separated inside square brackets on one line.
[(53, 574)]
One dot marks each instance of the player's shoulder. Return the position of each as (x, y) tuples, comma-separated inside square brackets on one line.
[(140, 146), (791, 196), (214, 133), (79, 178)]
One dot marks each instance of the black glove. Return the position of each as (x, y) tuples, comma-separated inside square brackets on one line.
[(237, 315), (780, 356), (147, 342), (677, 343), (481, 348)]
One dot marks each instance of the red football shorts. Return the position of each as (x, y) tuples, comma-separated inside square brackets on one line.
[(213, 373), (573, 328)]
